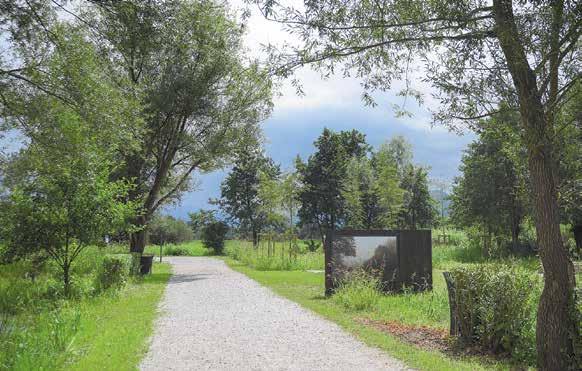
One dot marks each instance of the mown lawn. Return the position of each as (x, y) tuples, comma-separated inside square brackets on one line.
[(39, 330), (430, 309), (114, 331)]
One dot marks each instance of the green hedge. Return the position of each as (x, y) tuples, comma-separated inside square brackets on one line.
[(496, 305)]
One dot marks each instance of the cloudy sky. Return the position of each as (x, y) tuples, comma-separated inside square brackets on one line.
[(334, 103)]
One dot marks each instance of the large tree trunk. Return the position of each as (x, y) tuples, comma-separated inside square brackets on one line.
[(555, 324), (137, 240), (556, 328)]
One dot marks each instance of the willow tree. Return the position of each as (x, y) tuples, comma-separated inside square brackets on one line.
[(476, 53), (202, 97)]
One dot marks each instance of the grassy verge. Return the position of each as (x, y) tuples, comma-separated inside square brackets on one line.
[(114, 330), (39, 330), (191, 248), (431, 309)]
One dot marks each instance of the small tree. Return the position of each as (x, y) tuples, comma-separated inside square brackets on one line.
[(62, 199), (323, 177), (213, 236), (418, 208), (240, 198), (290, 187), (167, 229), (199, 219), (389, 162), (492, 190)]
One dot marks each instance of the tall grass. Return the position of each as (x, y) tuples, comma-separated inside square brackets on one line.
[(359, 291), (38, 323), (39, 342), (278, 257)]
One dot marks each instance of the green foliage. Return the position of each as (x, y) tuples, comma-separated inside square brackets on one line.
[(497, 306), (240, 198), (167, 229), (361, 192), (199, 219), (202, 98), (323, 176), (492, 191), (38, 345), (447, 256), (114, 272), (213, 236), (313, 245), (40, 330), (270, 193), (570, 166), (62, 199), (418, 209), (371, 192), (281, 257), (388, 163), (173, 250), (359, 291), (192, 248), (289, 187)]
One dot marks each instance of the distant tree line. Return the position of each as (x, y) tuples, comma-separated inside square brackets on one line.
[(345, 183)]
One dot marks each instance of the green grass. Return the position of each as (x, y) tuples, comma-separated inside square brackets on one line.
[(430, 308), (282, 256), (191, 248), (114, 330), (39, 329)]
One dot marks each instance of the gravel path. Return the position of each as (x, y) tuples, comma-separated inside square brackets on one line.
[(214, 318)]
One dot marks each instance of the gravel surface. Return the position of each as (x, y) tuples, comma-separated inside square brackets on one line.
[(214, 318)]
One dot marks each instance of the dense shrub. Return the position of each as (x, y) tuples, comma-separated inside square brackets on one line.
[(173, 250), (359, 291), (114, 272), (167, 229), (496, 305), (213, 236)]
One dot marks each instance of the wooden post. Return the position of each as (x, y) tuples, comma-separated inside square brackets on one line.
[(454, 327)]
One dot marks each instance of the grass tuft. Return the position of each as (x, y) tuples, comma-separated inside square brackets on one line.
[(358, 292)]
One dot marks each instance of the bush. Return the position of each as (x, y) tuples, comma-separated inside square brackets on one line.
[(496, 305), (114, 272), (359, 291), (167, 229), (173, 250), (213, 236)]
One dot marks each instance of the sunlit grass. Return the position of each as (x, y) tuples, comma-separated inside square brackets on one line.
[(191, 248), (280, 257), (431, 308), (114, 331), (45, 332)]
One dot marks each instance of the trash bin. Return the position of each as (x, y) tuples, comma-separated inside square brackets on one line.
[(145, 264)]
